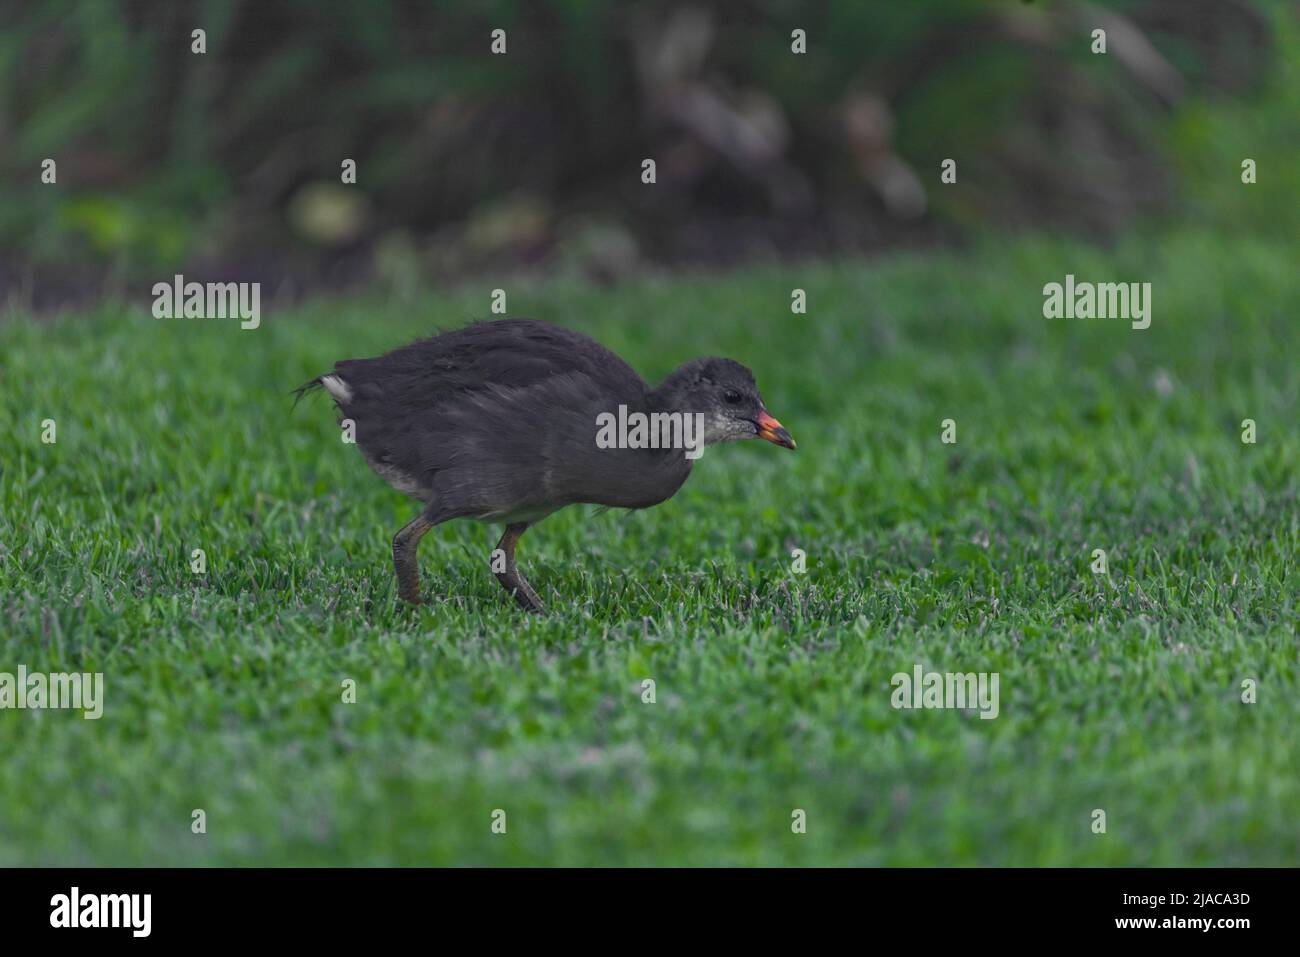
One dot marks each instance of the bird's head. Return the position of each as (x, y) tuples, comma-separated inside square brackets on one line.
[(723, 391)]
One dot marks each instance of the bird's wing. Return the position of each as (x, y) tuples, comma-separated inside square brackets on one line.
[(503, 355)]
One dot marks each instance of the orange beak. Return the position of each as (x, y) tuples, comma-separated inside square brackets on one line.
[(772, 430)]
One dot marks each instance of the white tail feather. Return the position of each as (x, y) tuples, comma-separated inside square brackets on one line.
[(336, 387)]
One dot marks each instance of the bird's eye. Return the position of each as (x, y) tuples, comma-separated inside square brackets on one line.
[(731, 396)]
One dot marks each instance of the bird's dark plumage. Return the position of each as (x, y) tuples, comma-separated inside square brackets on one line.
[(498, 421)]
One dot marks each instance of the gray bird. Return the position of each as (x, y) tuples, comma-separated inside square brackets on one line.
[(512, 420)]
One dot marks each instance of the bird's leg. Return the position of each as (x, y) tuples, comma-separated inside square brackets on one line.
[(511, 580), (405, 559)]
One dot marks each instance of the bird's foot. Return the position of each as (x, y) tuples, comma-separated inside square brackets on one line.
[(530, 603), (521, 591), (408, 586)]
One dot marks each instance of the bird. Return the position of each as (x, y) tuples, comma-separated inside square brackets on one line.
[(508, 421)]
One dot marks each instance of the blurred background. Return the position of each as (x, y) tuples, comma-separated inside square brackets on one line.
[(227, 164)]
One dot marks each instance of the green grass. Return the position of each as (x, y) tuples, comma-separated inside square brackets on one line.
[(1120, 692)]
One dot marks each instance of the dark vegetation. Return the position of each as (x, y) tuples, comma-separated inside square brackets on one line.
[(228, 164)]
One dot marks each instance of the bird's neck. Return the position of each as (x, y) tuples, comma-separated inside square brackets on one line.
[(656, 401)]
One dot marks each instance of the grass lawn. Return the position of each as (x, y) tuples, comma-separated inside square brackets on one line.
[(1120, 691)]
